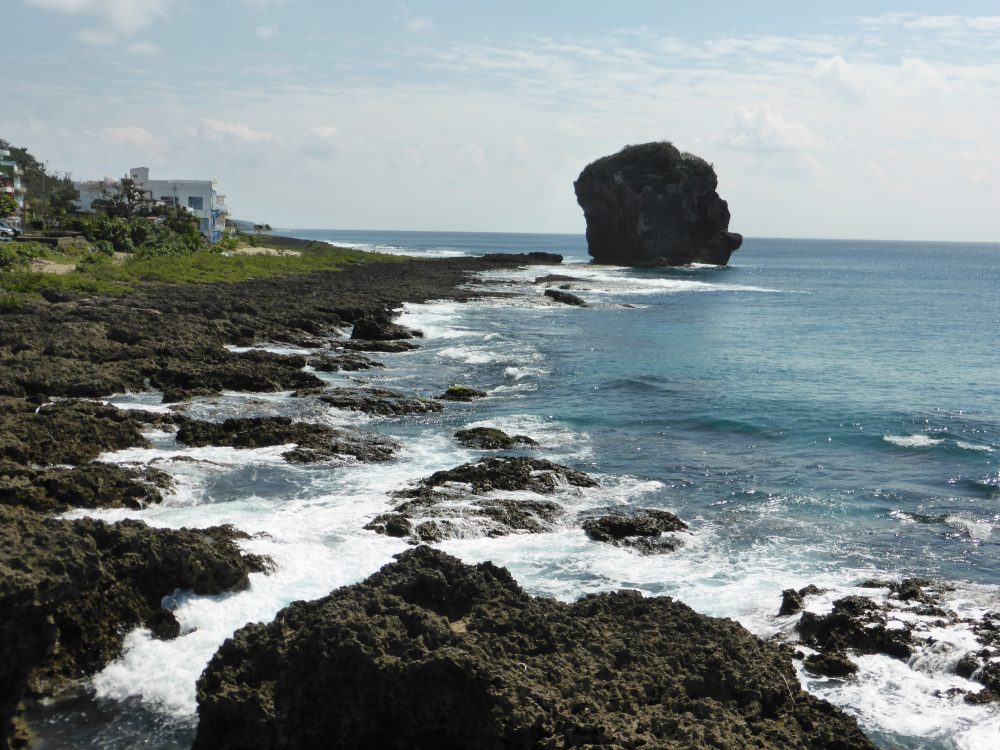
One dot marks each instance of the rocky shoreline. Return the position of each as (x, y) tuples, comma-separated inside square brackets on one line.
[(71, 590)]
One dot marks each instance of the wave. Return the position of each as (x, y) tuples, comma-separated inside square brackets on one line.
[(919, 440), (385, 249), (616, 280), (932, 440)]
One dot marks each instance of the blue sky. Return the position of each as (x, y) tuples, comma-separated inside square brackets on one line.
[(825, 119)]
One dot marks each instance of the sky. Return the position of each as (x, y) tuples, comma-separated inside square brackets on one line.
[(847, 119)]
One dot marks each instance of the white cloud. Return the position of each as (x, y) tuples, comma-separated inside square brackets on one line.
[(122, 16), (96, 37), (419, 25), (265, 32), (144, 48), (913, 77), (841, 76), (761, 129), (921, 77), (323, 131), (917, 22), (130, 136), (238, 131), (473, 156)]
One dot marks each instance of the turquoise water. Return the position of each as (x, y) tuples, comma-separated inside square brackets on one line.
[(819, 412), (853, 385)]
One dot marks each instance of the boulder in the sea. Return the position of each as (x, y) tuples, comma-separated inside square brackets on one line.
[(461, 393), (654, 205), (646, 530), (381, 329), (857, 623), (342, 362), (490, 438), (463, 502), (830, 664), (431, 653), (564, 297), (378, 401), (792, 600)]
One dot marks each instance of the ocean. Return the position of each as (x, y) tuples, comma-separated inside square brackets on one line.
[(819, 412)]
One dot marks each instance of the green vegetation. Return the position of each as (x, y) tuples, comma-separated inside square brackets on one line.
[(15, 254), (50, 195), (99, 273), (173, 232), (131, 241), (8, 206)]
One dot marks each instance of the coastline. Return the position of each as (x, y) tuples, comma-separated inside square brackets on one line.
[(178, 339)]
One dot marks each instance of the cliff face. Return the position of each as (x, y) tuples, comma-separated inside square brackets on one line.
[(432, 653), (653, 205)]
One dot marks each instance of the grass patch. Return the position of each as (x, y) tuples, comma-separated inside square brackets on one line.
[(99, 275)]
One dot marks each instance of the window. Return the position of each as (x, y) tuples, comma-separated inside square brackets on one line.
[(167, 199), (196, 202), (203, 224)]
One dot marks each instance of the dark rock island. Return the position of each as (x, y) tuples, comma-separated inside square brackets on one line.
[(654, 205)]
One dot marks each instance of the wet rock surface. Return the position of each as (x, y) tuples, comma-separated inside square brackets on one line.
[(451, 503), (253, 371), (432, 653), (653, 205), (645, 530), (902, 623), (67, 432), (379, 401), (71, 590), (385, 347), (382, 329), (461, 393), (564, 298), (94, 485), (490, 438), (504, 473), (314, 442), (342, 362)]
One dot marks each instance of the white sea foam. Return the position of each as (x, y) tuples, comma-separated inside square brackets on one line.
[(920, 440), (146, 401), (615, 280), (385, 249), (973, 446), (519, 373), (272, 349), (436, 320), (557, 440), (485, 355), (975, 529)]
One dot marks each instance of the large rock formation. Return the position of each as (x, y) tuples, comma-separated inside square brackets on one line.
[(653, 205), (432, 653)]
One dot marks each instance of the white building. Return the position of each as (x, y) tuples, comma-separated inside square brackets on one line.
[(200, 197)]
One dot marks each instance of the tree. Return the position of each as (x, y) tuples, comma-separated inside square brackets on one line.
[(49, 195), (122, 199), (8, 206)]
